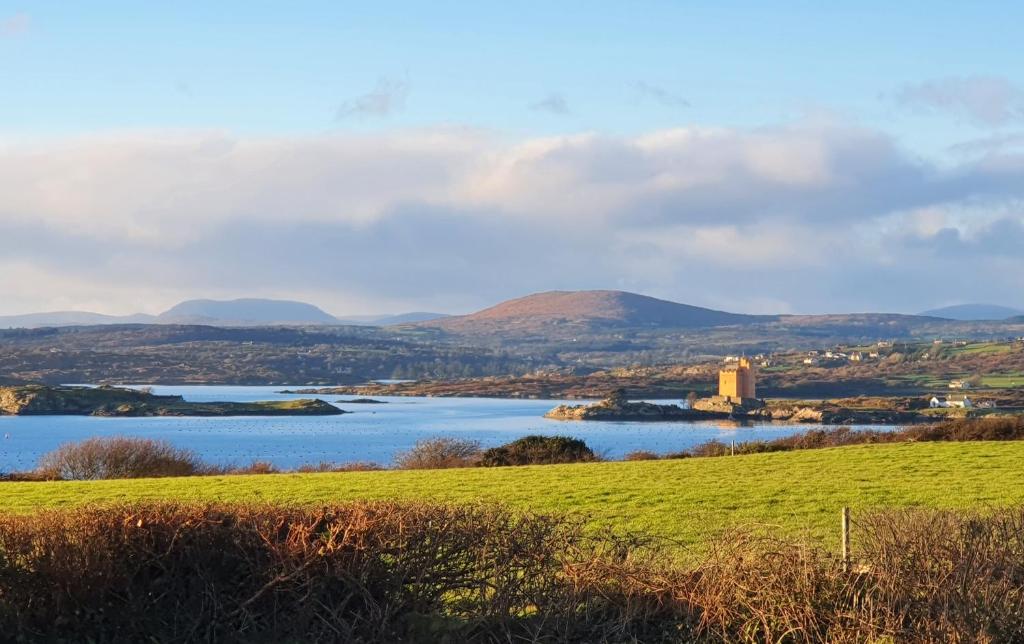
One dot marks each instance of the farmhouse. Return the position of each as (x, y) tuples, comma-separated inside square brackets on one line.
[(959, 384), (952, 400)]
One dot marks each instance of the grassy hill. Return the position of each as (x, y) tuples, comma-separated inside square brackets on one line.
[(690, 500)]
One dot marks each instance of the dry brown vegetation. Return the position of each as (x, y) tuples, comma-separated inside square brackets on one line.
[(991, 428), (439, 453), (367, 572), (118, 457)]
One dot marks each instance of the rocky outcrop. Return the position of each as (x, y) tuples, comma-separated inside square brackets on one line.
[(831, 415), (617, 407), (745, 407)]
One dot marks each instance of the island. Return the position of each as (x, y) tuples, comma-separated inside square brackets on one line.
[(616, 407), (35, 399)]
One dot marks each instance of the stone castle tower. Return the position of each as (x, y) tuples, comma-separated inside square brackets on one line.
[(738, 381)]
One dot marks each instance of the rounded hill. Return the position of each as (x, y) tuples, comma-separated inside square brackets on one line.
[(592, 308)]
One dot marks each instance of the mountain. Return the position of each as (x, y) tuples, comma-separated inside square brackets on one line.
[(69, 318), (245, 312), (589, 309), (971, 312)]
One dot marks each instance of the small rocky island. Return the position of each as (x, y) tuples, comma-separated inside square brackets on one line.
[(618, 407), (24, 400)]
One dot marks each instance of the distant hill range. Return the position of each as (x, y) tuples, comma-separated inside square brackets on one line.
[(240, 312), (972, 312), (553, 315), (70, 318), (589, 309)]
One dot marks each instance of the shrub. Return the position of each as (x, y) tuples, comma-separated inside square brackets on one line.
[(327, 466), (118, 458), (439, 453), (641, 455), (255, 467), (359, 572), (539, 450), (991, 428), (371, 572)]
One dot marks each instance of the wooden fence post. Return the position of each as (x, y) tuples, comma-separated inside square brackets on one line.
[(846, 539), (732, 448)]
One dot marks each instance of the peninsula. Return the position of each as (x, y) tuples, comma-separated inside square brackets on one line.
[(24, 400)]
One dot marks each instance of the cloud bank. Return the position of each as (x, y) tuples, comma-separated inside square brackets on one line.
[(802, 217)]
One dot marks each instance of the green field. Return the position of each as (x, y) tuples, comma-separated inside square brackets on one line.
[(800, 492)]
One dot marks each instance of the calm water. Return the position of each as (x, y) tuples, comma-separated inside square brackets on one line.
[(371, 433)]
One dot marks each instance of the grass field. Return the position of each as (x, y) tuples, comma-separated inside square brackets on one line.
[(801, 492)]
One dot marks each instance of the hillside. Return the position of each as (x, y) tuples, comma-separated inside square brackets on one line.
[(68, 318), (970, 312), (687, 499), (240, 355), (589, 309)]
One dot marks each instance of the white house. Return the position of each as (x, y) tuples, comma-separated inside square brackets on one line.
[(953, 400), (959, 384)]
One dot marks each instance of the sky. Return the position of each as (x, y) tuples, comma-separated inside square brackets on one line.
[(768, 157)]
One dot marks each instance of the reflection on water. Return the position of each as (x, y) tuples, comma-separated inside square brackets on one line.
[(370, 433)]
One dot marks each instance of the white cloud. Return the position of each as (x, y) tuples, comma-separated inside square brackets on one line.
[(15, 25), (386, 98), (453, 218), (660, 95), (985, 100), (553, 103)]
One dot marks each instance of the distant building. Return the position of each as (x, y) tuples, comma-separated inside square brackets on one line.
[(873, 354), (856, 356), (953, 400), (959, 384), (810, 361), (884, 344), (738, 381)]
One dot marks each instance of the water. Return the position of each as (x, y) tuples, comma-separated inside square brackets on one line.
[(373, 433)]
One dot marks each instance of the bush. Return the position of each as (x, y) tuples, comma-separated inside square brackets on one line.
[(439, 453), (327, 466), (991, 428), (641, 455), (372, 572), (359, 572), (255, 467), (118, 458), (539, 450)]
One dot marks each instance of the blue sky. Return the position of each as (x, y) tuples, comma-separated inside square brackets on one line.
[(932, 92), (270, 67)]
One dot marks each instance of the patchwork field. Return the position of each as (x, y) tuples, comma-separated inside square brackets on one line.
[(796, 493)]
